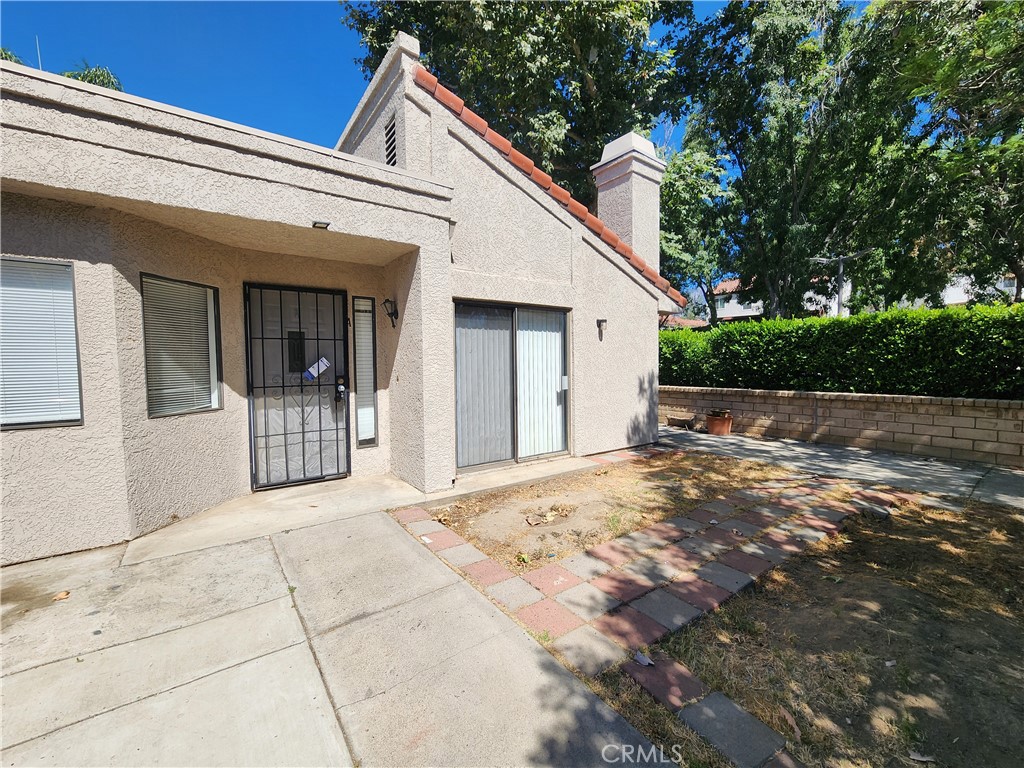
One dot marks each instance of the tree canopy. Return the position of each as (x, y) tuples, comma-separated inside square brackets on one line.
[(892, 136), (560, 80)]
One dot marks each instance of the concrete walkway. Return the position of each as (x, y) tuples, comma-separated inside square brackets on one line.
[(305, 627), (338, 643), (995, 485)]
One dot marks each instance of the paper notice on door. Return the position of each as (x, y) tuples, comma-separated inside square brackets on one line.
[(316, 369)]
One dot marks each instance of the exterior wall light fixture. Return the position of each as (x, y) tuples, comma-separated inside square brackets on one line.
[(602, 324), (321, 224), (390, 309)]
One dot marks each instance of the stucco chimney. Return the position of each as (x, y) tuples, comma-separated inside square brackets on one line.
[(629, 193)]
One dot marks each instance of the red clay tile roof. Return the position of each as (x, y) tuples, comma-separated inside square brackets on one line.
[(674, 321), (731, 285), (429, 83)]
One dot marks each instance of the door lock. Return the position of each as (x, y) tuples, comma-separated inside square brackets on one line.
[(339, 389)]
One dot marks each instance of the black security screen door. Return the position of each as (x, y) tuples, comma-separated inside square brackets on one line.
[(297, 351)]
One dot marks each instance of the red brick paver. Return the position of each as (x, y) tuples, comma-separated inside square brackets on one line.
[(678, 557), (624, 586), (442, 540), (663, 532), (411, 515), (705, 515), (781, 541), (668, 681), (760, 519), (723, 536), (629, 628), (552, 579), (697, 592), (813, 521), (613, 552), (549, 616), (487, 572), (741, 561)]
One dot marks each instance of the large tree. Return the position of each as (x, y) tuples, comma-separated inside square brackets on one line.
[(787, 92), (962, 63), (559, 79), (697, 205)]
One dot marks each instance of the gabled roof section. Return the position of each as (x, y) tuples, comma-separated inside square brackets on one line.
[(456, 106)]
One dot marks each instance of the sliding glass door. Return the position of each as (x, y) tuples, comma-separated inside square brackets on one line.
[(511, 383)]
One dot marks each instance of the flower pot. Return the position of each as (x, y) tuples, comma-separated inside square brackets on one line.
[(719, 425)]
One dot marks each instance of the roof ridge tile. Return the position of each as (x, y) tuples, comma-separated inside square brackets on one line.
[(428, 82)]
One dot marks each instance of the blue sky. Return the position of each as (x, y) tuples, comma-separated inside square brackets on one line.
[(283, 67)]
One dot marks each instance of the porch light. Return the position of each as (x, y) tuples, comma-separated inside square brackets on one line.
[(321, 224), (390, 309), (602, 325)]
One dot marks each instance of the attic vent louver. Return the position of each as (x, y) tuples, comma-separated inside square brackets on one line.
[(390, 143)]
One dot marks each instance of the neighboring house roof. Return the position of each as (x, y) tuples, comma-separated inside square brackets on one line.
[(732, 285), (428, 82), (674, 321)]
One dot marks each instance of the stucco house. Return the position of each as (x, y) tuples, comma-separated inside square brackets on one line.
[(192, 310)]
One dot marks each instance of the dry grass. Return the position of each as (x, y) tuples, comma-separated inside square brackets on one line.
[(936, 593), (638, 493)]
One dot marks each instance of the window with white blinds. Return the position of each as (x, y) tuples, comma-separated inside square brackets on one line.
[(179, 323), (364, 337), (39, 378)]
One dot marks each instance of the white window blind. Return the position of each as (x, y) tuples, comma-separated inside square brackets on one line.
[(363, 321), (39, 379), (180, 327)]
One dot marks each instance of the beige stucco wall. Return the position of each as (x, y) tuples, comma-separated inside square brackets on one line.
[(123, 186), (512, 243), (124, 474), (63, 488)]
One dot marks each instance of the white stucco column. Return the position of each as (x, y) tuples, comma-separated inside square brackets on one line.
[(629, 193)]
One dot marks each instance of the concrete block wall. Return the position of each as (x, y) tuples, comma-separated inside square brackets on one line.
[(989, 431)]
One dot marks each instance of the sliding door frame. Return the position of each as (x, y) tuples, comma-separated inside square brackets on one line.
[(566, 361)]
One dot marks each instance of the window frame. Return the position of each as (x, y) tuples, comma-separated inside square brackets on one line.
[(375, 441), (80, 421), (218, 347)]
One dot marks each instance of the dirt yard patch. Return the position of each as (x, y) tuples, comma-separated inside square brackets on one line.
[(530, 526), (899, 635)]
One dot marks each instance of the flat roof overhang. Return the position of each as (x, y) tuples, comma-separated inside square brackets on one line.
[(70, 141)]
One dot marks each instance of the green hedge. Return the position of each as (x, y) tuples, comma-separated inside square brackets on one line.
[(955, 352)]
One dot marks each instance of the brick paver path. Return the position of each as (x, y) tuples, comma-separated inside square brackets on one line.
[(597, 608)]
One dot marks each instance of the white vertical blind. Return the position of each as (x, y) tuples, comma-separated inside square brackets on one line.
[(179, 324), (483, 384), (365, 379), (39, 378), (540, 386)]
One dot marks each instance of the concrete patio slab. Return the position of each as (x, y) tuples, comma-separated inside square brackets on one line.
[(352, 568), (287, 720), (374, 653), (990, 484), (110, 605), (474, 708), (274, 511), (93, 683)]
